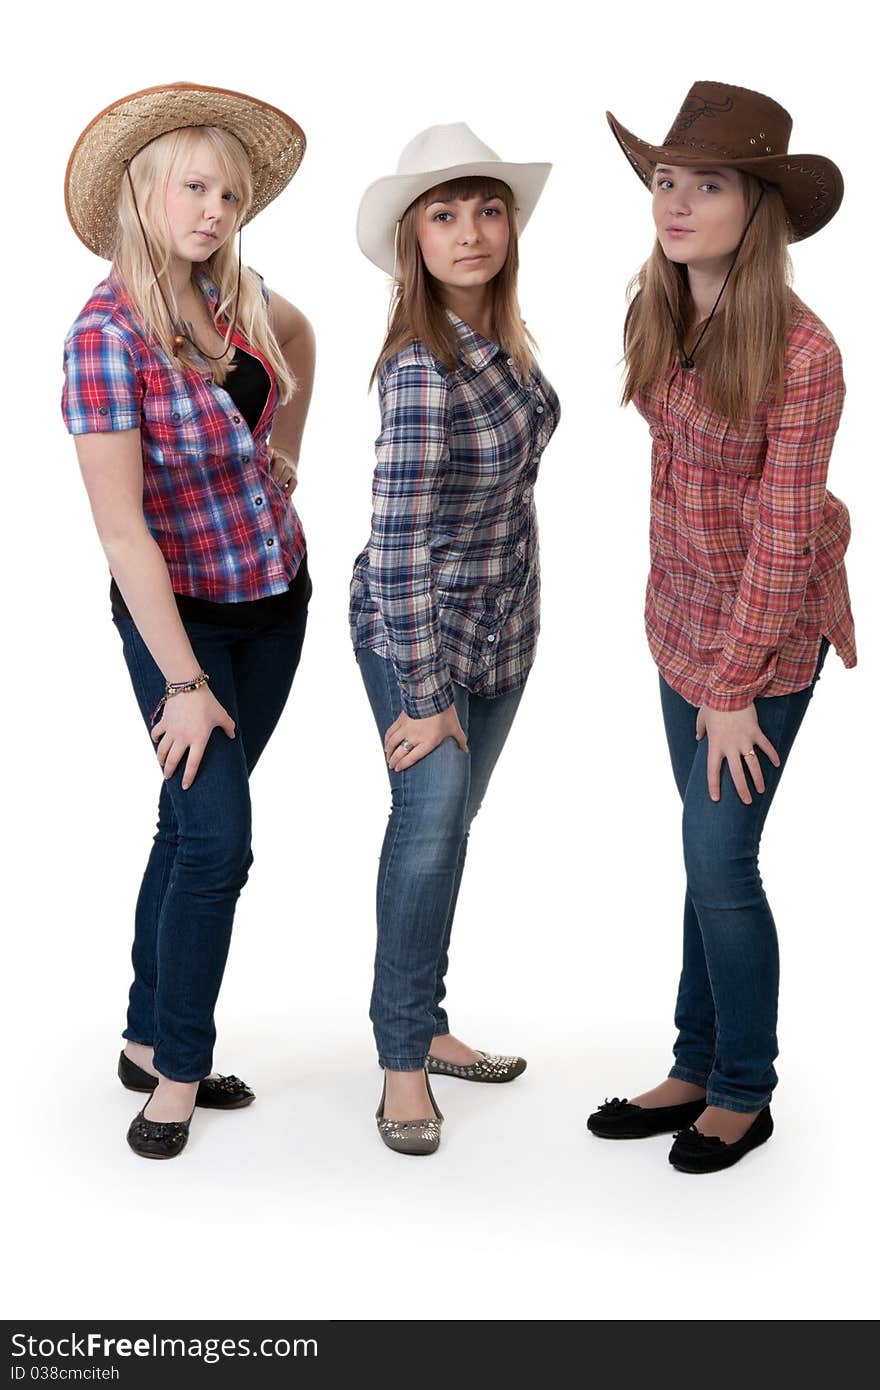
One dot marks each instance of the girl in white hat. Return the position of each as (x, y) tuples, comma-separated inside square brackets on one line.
[(186, 388), (445, 597)]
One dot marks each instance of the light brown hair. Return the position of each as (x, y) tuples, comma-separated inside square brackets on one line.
[(741, 360), (417, 313)]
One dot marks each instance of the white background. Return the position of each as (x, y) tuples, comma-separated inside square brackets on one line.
[(567, 941)]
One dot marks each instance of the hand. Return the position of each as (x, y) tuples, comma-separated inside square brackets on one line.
[(187, 722), (423, 734), (734, 735), (283, 468)]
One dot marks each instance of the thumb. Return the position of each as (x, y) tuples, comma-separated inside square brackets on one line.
[(229, 727)]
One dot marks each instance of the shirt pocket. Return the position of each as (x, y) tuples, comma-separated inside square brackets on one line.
[(171, 430)]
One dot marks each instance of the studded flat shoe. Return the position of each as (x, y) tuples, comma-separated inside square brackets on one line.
[(214, 1093), (410, 1136), (617, 1119), (155, 1139), (694, 1152), (490, 1068)]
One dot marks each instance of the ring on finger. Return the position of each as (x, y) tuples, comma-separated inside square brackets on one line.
[(751, 754), (406, 745)]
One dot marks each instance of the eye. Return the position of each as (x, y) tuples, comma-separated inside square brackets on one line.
[(491, 212), (664, 183), (441, 216), (194, 185), (712, 187), (232, 197)]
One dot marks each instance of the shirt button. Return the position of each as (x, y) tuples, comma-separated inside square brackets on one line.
[(539, 409), (491, 637), (270, 542), (102, 410), (236, 419), (245, 458), (175, 414), (527, 492), (259, 501)]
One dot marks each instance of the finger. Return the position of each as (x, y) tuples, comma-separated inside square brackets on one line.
[(713, 774), (393, 735), (175, 753), (163, 748), (753, 763), (228, 727), (738, 773), (399, 752), (157, 731), (192, 765), (462, 742), (766, 746), (421, 750), (701, 724)]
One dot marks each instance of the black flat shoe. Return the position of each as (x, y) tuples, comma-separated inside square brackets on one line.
[(155, 1139), (214, 1093), (617, 1119), (694, 1152)]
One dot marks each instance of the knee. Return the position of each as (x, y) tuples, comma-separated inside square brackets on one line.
[(220, 852), (722, 871), (431, 797)]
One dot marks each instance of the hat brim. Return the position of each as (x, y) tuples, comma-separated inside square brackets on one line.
[(274, 143), (386, 200), (811, 185)]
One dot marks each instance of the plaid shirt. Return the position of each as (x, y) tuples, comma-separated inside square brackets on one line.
[(747, 545), (227, 531), (448, 587)]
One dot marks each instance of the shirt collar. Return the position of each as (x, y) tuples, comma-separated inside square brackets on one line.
[(476, 350)]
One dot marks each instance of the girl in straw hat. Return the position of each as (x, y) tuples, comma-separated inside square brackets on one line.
[(741, 385), (186, 388), (444, 599)]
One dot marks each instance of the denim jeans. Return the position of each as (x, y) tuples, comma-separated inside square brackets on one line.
[(202, 848), (729, 987), (433, 804)]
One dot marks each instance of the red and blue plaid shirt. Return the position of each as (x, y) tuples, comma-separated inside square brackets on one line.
[(747, 545), (448, 587), (227, 531)]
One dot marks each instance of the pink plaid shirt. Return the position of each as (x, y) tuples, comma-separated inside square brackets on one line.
[(747, 545)]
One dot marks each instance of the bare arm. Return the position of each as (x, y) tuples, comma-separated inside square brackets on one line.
[(297, 341), (112, 470)]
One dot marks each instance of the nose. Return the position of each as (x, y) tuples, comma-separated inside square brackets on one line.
[(468, 230)]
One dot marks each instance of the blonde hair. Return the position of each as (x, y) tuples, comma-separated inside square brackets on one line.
[(417, 312), (741, 360), (152, 170)]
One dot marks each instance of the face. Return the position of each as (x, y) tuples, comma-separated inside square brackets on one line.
[(200, 206), (700, 214), (463, 242)]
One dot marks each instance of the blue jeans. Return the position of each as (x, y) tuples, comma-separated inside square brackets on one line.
[(432, 806), (202, 849), (729, 987)]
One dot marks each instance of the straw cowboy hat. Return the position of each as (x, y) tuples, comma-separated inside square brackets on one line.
[(274, 143), (745, 130), (439, 154)]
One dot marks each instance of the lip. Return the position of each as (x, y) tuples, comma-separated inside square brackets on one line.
[(470, 260), (211, 236), (679, 231)]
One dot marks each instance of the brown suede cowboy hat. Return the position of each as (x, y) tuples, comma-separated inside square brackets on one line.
[(734, 127)]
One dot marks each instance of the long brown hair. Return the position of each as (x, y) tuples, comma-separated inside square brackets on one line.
[(417, 312), (742, 357), (151, 171)]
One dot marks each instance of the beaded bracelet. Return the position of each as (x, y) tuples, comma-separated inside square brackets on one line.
[(179, 688)]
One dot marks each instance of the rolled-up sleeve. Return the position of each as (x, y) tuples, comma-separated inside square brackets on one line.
[(791, 500), (411, 454), (101, 388)]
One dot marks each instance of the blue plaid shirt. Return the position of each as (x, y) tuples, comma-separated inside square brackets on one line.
[(448, 587)]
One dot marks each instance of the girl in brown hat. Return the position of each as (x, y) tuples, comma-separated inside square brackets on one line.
[(186, 388), (741, 385)]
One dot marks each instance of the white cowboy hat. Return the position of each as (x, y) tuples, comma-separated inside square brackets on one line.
[(439, 154)]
